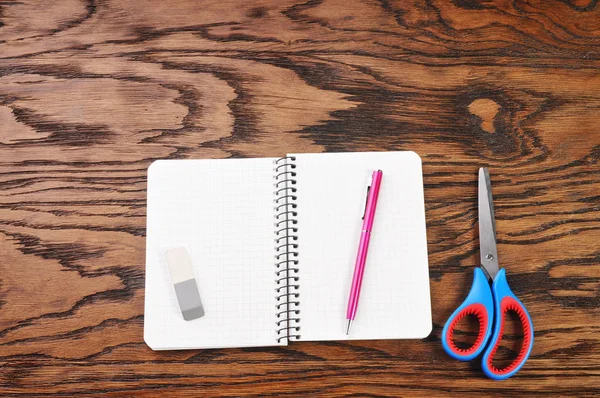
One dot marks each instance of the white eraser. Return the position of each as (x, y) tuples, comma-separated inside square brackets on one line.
[(182, 275), (180, 265)]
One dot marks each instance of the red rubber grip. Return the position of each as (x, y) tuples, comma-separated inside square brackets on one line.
[(510, 304), (480, 312)]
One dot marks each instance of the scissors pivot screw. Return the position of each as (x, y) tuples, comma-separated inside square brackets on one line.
[(489, 256)]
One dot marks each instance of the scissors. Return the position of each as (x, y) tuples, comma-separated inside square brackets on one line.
[(489, 300)]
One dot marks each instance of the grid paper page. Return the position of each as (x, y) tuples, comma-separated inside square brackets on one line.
[(221, 211), (394, 300)]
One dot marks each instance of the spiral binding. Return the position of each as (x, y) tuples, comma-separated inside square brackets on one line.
[(286, 253)]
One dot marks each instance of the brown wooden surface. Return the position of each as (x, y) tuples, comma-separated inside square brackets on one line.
[(91, 92)]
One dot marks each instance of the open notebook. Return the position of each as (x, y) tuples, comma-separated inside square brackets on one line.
[(273, 244)]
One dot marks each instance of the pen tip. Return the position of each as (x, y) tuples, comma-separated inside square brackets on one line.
[(348, 327)]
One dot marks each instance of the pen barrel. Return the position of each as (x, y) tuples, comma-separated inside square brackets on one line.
[(372, 198), (359, 269)]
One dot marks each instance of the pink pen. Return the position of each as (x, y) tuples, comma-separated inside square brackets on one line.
[(363, 246)]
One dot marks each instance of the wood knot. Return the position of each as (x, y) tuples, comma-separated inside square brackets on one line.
[(486, 110), (579, 4)]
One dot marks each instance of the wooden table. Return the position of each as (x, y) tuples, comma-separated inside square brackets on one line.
[(91, 92)]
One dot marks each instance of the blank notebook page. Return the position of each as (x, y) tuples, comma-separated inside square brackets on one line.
[(221, 211), (394, 300)]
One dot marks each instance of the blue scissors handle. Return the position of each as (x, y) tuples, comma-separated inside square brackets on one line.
[(505, 301), (479, 302), (490, 305)]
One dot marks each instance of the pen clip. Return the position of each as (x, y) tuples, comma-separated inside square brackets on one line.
[(366, 201)]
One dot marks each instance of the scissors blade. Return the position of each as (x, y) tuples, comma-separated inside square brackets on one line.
[(487, 225)]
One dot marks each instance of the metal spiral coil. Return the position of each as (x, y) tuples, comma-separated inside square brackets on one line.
[(286, 246)]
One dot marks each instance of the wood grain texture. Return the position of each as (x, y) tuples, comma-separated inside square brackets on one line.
[(91, 92)]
